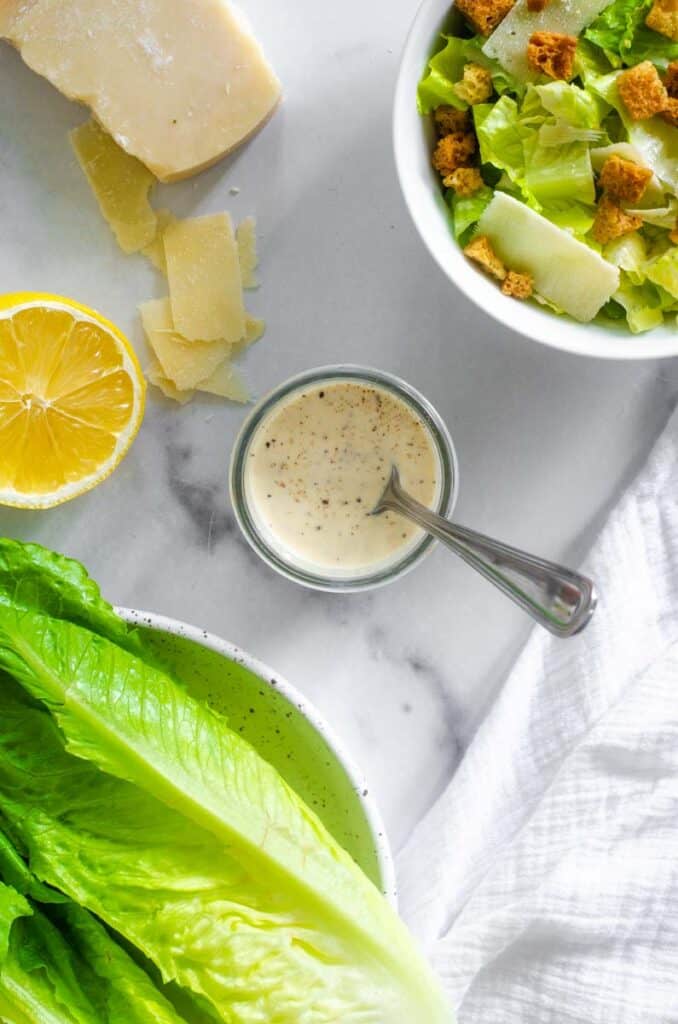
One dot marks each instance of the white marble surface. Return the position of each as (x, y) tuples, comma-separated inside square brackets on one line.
[(545, 440)]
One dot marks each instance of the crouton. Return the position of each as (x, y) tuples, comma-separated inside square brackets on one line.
[(670, 114), (518, 286), (449, 120), (536, 6), (481, 251), (612, 222), (671, 79), (642, 91), (663, 18), (484, 15), (452, 151), (465, 181), (624, 181), (476, 85), (552, 54), (673, 235)]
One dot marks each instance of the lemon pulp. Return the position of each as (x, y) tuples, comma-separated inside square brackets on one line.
[(71, 399)]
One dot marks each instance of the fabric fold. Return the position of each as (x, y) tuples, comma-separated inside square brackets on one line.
[(544, 883)]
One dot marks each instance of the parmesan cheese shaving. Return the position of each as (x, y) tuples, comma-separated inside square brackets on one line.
[(205, 285), (155, 250), (121, 185), (159, 380), (184, 363), (246, 237), (227, 382)]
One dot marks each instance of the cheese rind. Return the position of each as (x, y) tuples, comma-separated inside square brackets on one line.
[(203, 271), (177, 83), (184, 363), (120, 183)]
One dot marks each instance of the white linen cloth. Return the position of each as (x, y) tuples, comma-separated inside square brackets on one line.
[(544, 883)]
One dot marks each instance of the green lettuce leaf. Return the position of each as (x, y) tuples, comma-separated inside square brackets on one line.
[(446, 68), (501, 134), (620, 31), (66, 969), (664, 272), (196, 850), (654, 139), (571, 215), (645, 304), (14, 871), (510, 139), (562, 173), (572, 104), (629, 253), (467, 211)]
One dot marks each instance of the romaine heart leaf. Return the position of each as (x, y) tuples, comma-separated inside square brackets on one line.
[(12, 906), (34, 577), (14, 871), (68, 970), (287, 909)]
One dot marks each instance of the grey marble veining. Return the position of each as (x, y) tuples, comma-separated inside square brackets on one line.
[(546, 441)]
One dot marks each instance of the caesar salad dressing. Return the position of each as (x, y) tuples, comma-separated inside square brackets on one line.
[(317, 464)]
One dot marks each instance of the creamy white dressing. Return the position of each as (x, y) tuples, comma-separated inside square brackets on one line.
[(317, 465)]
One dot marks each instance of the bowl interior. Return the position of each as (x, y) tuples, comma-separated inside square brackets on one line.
[(412, 136), (263, 709)]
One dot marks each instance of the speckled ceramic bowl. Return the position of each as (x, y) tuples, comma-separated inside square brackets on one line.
[(284, 728)]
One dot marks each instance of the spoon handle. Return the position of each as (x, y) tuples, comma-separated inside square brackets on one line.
[(559, 599)]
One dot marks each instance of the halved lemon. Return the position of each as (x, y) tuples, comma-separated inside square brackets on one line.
[(71, 399)]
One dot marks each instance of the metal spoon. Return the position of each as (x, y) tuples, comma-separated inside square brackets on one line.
[(560, 600)]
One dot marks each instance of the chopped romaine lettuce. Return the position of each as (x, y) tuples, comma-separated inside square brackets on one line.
[(572, 104), (654, 139), (629, 253), (558, 173), (663, 271), (620, 31), (643, 304), (446, 69), (467, 211), (572, 216), (501, 134)]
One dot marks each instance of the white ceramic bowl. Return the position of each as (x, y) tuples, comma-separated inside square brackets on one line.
[(279, 722), (413, 143)]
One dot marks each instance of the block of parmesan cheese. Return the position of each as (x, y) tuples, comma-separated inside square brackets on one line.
[(177, 83)]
